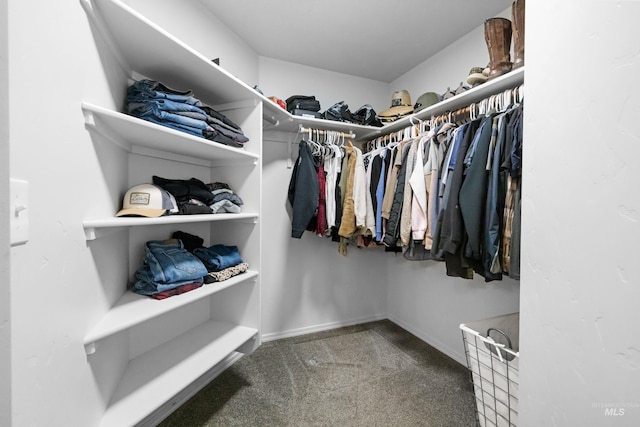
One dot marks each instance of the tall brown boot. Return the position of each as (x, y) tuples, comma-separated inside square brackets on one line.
[(517, 18), (497, 34)]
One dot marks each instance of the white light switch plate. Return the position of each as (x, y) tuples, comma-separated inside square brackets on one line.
[(18, 205)]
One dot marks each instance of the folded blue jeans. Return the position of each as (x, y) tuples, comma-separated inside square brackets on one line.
[(170, 262), (140, 103), (151, 89), (218, 257), (145, 285), (177, 126), (166, 116)]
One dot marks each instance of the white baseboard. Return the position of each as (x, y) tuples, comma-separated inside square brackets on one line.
[(320, 328), (454, 354)]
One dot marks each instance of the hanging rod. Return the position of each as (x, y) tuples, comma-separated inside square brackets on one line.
[(302, 129), (471, 111)]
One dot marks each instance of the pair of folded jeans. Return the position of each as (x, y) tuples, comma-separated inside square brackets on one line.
[(168, 116), (176, 126), (151, 89), (167, 264), (145, 284), (218, 257)]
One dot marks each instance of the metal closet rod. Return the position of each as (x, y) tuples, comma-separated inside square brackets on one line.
[(322, 132)]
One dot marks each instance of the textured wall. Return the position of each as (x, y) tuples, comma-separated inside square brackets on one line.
[(54, 283), (5, 291), (580, 347)]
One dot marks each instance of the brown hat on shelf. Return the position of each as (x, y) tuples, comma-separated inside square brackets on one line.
[(400, 106)]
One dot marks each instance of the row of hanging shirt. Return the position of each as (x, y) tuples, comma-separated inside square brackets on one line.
[(446, 189), (327, 189)]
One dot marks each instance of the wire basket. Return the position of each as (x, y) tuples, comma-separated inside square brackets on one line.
[(492, 352)]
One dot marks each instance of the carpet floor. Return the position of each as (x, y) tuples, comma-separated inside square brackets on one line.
[(373, 374)]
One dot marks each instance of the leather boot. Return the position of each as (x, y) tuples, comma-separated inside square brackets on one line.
[(517, 21), (497, 34)]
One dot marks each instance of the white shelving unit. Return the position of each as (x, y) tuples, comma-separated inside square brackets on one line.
[(132, 309), (286, 122), (154, 377), (162, 351)]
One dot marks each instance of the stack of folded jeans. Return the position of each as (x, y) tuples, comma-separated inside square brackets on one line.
[(167, 265), (180, 110), (221, 261)]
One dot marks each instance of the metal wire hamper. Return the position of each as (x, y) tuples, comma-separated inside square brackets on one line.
[(492, 351)]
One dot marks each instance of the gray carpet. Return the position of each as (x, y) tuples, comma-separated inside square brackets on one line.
[(374, 374)]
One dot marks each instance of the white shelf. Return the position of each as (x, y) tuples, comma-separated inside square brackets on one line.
[(153, 52), (475, 94), (289, 123), (130, 132), (94, 227), (132, 35), (154, 377), (133, 308)]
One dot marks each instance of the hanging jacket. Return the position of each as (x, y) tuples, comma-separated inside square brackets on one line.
[(495, 207), (452, 235), (392, 233), (303, 190), (348, 223), (473, 192), (405, 213)]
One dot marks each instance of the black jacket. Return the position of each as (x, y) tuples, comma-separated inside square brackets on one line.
[(304, 190)]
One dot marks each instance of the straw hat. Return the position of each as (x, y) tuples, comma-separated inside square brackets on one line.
[(400, 107)]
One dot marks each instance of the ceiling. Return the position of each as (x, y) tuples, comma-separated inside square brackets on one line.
[(375, 39)]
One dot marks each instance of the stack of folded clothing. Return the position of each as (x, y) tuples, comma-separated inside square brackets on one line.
[(168, 269), (222, 262), (224, 199), (195, 197), (181, 264), (192, 195), (181, 110)]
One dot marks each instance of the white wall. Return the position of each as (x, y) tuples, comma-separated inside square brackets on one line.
[(449, 67), (580, 346), (5, 290), (422, 298), (51, 71), (283, 79), (306, 285)]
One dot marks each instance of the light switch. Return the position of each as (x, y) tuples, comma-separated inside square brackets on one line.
[(19, 211)]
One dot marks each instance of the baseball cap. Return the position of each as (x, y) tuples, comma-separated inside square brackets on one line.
[(426, 100), (147, 200)]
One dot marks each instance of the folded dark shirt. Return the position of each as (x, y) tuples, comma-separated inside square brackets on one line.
[(177, 291)]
